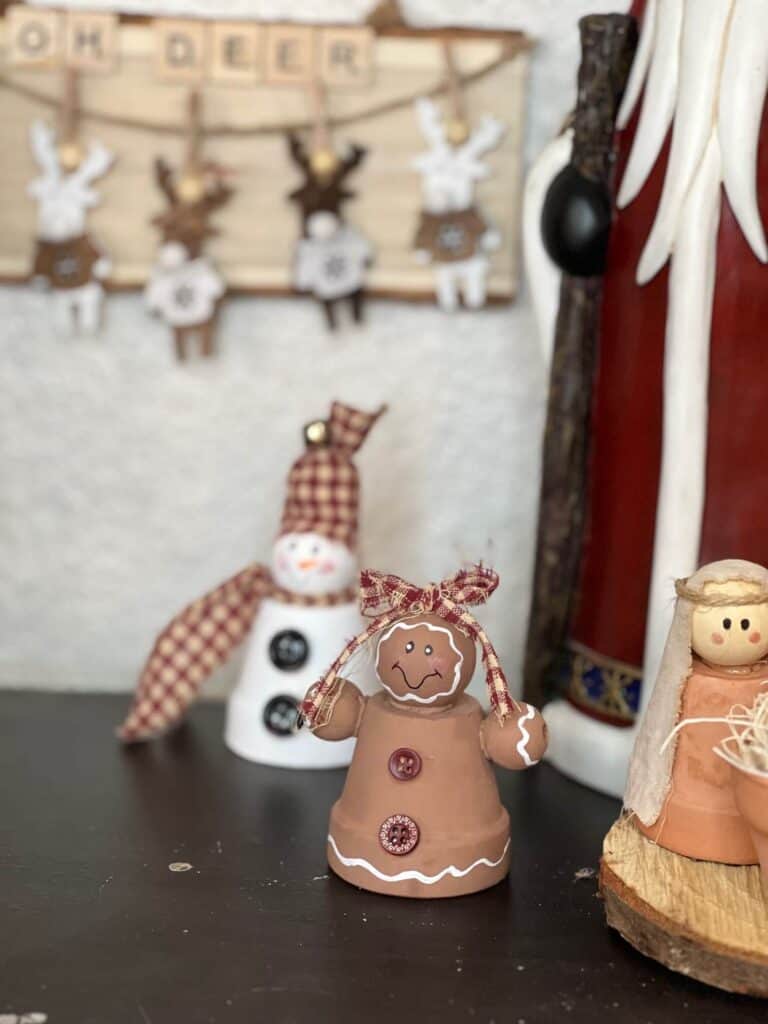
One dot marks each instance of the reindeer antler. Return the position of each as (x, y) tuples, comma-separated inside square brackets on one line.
[(486, 136), (97, 161), (164, 179), (43, 142), (430, 122)]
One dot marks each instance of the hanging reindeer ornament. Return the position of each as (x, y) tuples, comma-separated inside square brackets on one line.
[(452, 235), (420, 813), (67, 260), (184, 287), (332, 257)]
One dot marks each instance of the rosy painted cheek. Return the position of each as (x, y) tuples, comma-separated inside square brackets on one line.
[(438, 665), (282, 563), (327, 567), (717, 638), (755, 638)]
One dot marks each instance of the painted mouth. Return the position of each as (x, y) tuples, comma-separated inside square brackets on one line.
[(418, 686)]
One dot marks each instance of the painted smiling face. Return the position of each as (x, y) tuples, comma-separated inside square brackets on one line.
[(425, 660), (309, 564), (730, 635)]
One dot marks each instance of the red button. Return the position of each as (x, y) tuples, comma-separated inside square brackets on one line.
[(404, 764), (399, 834)]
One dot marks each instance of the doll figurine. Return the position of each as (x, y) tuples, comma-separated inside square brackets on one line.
[(680, 791), (420, 813)]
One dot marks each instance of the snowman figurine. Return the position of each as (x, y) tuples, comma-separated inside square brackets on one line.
[(296, 614)]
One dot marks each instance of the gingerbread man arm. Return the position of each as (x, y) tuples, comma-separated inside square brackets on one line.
[(346, 713), (519, 743)]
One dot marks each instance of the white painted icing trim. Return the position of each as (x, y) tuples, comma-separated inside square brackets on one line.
[(658, 102), (686, 380), (740, 115), (522, 746), (705, 26), (640, 65), (544, 276), (413, 875), (414, 696)]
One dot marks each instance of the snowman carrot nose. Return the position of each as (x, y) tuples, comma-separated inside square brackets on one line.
[(307, 563)]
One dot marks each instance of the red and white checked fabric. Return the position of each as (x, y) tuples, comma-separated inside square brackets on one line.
[(390, 598), (323, 486), (198, 640)]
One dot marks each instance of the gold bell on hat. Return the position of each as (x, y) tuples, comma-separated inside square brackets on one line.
[(317, 434)]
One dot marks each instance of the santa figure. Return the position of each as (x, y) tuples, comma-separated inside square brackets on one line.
[(296, 614), (682, 381)]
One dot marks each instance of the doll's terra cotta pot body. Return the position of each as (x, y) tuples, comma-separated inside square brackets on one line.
[(751, 792), (700, 817), (420, 813)]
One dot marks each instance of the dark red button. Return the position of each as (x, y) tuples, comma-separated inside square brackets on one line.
[(404, 764), (399, 834)]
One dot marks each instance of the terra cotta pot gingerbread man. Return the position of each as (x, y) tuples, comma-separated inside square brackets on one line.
[(420, 813)]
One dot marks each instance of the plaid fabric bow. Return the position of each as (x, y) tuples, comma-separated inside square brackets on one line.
[(388, 598)]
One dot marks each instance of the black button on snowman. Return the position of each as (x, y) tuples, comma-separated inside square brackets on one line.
[(281, 715), (288, 650)]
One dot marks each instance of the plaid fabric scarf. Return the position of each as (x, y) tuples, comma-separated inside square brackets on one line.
[(389, 598), (198, 640)]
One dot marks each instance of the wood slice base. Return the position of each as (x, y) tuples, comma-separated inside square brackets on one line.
[(708, 921)]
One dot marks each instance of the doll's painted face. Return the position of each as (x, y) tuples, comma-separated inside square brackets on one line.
[(425, 660), (730, 635), (309, 564)]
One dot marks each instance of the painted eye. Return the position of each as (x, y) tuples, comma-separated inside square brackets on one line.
[(428, 649), (315, 549), (409, 647), (745, 623), (726, 623)]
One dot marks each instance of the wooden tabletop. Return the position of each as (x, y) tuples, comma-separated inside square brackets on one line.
[(97, 929)]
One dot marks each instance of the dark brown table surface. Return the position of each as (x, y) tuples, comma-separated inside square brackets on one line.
[(96, 929)]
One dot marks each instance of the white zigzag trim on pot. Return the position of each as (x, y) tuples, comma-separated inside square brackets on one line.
[(413, 875)]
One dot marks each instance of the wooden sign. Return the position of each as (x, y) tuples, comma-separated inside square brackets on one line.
[(345, 57), (180, 50), (83, 40), (290, 54), (236, 53), (34, 36), (90, 41)]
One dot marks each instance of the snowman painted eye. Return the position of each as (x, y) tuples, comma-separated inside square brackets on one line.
[(726, 623), (315, 549), (409, 647), (428, 649)]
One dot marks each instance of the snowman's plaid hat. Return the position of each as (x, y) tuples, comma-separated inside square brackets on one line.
[(323, 485)]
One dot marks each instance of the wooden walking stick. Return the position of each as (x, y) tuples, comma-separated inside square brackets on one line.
[(608, 43)]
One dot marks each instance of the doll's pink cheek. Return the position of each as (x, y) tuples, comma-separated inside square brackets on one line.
[(282, 562), (755, 638), (327, 567), (717, 638), (439, 665)]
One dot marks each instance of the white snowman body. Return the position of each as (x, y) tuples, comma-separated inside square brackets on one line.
[(289, 648)]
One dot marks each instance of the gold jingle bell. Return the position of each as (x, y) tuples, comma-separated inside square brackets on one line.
[(70, 155), (190, 187), (317, 434), (457, 131), (323, 162)]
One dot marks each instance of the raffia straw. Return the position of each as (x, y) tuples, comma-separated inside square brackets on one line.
[(698, 597), (747, 745)]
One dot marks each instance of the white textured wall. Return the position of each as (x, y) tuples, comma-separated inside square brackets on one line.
[(129, 484)]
